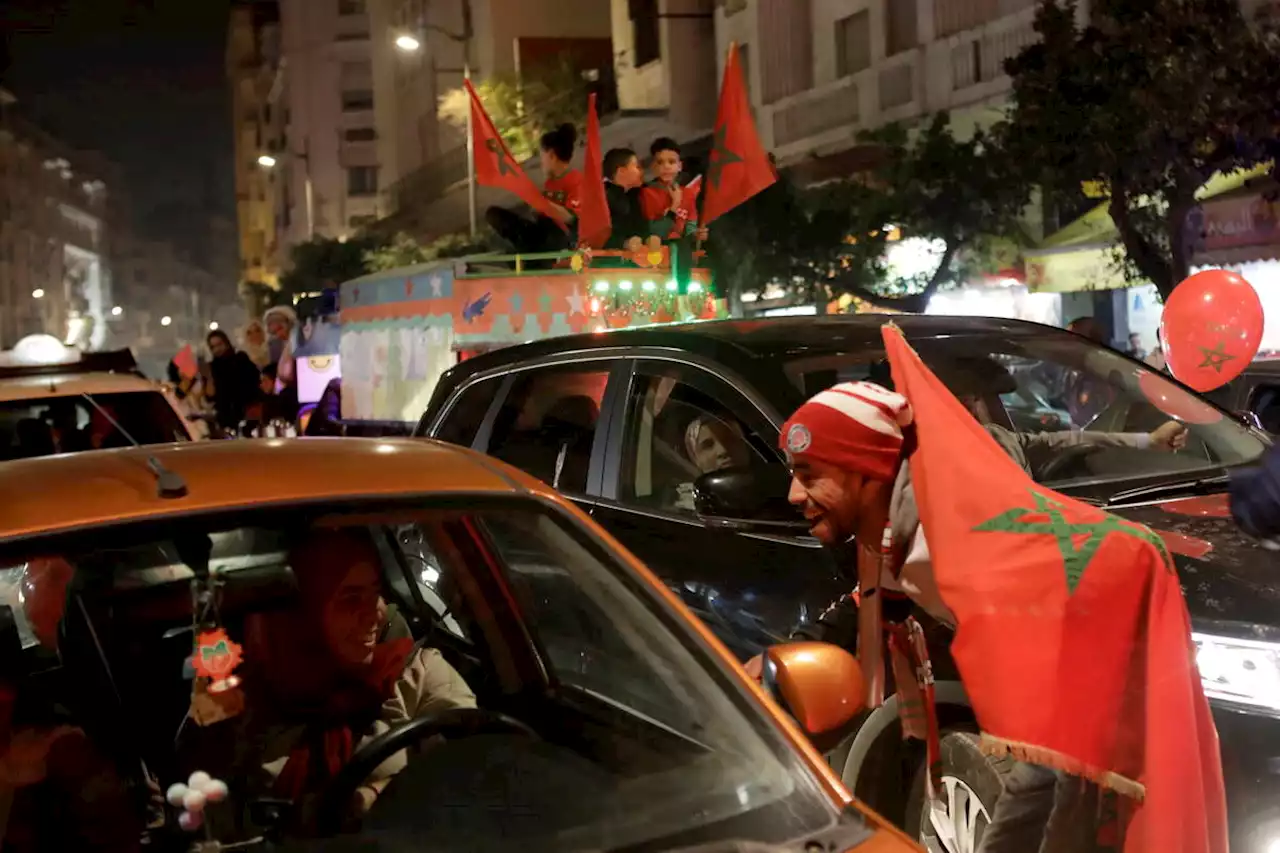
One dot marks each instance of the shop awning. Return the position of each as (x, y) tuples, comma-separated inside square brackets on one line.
[(1081, 256)]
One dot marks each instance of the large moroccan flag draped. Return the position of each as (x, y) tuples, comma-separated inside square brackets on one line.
[(594, 222), (494, 164), (739, 166), (1073, 640)]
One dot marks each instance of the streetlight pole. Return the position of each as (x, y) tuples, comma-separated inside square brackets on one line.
[(307, 189), (410, 44)]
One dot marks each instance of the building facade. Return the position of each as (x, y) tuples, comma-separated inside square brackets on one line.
[(422, 152), (328, 157), (253, 61), (55, 220)]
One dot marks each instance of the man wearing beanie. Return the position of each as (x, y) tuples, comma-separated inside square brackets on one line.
[(848, 447)]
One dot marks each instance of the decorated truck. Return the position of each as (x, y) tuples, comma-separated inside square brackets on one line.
[(402, 328)]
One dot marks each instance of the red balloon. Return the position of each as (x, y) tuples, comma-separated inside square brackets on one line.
[(1212, 328), (1176, 402)]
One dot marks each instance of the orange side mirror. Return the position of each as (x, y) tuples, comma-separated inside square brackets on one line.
[(821, 685)]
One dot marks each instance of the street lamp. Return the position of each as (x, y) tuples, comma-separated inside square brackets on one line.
[(166, 320), (213, 327), (38, 293), (116, 311), (409, 43), (268, 161)]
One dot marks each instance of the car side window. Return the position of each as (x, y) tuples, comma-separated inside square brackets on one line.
[(546, 425), (678, 429), (1265, 403), (462, 420)]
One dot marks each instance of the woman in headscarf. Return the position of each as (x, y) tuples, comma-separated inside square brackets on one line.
[(711, 444), (281, 321), (255, 344), (320, 680)]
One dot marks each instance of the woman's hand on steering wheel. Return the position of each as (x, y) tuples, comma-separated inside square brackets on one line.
[(346, 788)]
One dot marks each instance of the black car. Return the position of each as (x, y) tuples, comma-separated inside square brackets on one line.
[(668, 437), (1255, 393)]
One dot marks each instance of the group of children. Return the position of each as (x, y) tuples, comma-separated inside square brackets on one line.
[(651, 213)]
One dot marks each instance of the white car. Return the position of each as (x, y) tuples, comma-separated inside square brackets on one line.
[(59, 400)]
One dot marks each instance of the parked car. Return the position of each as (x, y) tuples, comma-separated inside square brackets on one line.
[(1255, 393), (628, 424), (607, 716)]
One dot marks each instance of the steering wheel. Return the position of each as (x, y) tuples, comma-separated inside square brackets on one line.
[(1067, 457), (454, 723)]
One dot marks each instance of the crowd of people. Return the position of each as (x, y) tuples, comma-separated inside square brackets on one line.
[(643, 212), (241, 387)]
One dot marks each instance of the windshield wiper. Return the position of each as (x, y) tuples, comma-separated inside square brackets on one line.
[(1182, 488)]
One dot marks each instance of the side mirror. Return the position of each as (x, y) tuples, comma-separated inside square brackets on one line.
[(752, 498), (1250, 418), (819, 684)]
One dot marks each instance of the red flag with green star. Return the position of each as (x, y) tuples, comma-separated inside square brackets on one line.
[(495, 167), (1073, 641), (739, 166)]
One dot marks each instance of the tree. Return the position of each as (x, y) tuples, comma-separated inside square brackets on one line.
[(524, 106), (258, 296), (322, 263), (960, 197), (404, 251), (1148, 101)]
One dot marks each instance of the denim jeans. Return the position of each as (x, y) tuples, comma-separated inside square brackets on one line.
[(1044, 811)]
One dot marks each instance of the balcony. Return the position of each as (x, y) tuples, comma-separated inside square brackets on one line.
[(896, 83), (815, 112), (981, 59)]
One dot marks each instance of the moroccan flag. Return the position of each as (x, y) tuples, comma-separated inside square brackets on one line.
[(594, 222), (1073, 640), (494, 164), (739, 166)]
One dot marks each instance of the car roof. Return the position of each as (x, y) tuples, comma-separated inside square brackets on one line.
[(79, 490), (763, 338), (72, 385)]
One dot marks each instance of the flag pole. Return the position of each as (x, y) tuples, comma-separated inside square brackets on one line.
[(702, 192)]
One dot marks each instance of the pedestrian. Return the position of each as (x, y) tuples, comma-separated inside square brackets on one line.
[(282, 322), (235, 380), (877, 470), (255, 344)]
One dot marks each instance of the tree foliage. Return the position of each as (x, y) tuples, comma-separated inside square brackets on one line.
[(963, 194), (525, 106), (404, 251), (258, 296), (1148, 100), (323, 263)]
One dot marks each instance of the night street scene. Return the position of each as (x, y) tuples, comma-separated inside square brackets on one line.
[(567, 426)]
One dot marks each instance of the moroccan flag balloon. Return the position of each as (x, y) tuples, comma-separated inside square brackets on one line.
[(1072, 640), (494, 164), (739, 166), (594, 221)]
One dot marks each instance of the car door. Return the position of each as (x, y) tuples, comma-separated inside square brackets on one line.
[(674, 421)]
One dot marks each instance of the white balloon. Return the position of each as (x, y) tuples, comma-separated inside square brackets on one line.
[(198, 779), (215, 791), (175, 794), (194, 801)]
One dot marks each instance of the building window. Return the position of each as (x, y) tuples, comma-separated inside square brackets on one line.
[(362, 180), (357, 100), (350, 7), (853, 44), (359, 134), (786, 67), (900, 30), (646, 40)]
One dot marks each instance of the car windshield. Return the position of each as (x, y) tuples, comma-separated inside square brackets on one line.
[(1074, 412), (49, 425), (606, 724)]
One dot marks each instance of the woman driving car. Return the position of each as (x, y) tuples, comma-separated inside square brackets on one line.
[(320, 680)]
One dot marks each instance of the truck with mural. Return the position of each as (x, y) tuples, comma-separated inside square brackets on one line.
[(402, 328)]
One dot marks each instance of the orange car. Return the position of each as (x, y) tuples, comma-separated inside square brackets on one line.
[(365, 644)]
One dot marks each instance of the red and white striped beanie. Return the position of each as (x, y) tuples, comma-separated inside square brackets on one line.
[(856, 426)]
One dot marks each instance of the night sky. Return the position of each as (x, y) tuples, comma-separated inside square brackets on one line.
[(142, 81)]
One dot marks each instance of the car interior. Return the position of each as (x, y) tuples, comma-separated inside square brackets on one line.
[(579, 709)]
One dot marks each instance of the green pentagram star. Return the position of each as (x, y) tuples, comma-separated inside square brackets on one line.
[(1075, 559), (503, 166), (1216, 357), (721, 156)]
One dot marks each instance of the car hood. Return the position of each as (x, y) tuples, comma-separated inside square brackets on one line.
[(1226, 575)]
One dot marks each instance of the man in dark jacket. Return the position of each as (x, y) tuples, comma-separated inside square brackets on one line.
[(235, 380), (623, 179)]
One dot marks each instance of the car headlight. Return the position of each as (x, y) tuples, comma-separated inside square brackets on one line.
[(1245, 672)]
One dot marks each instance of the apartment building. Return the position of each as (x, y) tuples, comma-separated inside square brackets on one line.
[(421, 49), (55, 219), (821, 71), (253, 61), (328, 155)]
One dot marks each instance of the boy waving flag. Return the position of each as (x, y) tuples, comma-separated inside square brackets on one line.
[(495, 166)]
